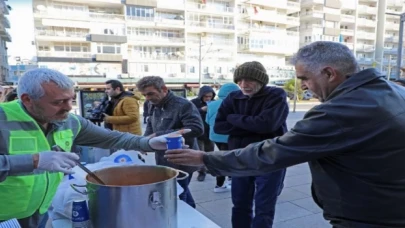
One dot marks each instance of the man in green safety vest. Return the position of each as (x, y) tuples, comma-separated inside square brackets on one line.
[(29, 171)]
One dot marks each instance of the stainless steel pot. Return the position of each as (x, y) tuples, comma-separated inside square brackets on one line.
[(134, 196)]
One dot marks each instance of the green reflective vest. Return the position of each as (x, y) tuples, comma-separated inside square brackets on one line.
[(22, 195)]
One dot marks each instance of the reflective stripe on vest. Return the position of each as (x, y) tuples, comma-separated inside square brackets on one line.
[(21, 196)]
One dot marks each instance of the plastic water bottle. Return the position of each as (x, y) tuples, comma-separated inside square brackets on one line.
[(80, 214)]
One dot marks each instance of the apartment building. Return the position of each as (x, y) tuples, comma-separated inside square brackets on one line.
[(353, 23), (268, 31), (180, 40), (391, 38), (4, 38)]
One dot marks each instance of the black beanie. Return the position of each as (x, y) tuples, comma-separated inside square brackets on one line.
[(251, 70)]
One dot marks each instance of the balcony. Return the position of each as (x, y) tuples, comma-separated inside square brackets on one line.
[(313, 26), (313, 14), (366, 35), (292, 22), (6, 22), (156, 40), (210, 8), (349, 45), (109, 57), (272, 16), (160, 22), (6, 36), (347, 32), (260, 29), (312, 2), (78, 15), (347, 18), (366, 23), (172, 4), (60, 35), (367, 10), (391, 26), (213, 44), (391, 50), (348, 4), (365, 61), (365, 48), (293, 7), (391, 39), (285, 45), (280, 4), (103, 38), (210, 26), (163, 57), (395, 3), (60, 54)]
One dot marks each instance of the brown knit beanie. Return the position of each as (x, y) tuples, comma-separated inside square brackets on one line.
[(251, 70)]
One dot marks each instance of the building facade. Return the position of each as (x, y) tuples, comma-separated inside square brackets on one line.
[(180, 40), (355, 24), (4, 38)]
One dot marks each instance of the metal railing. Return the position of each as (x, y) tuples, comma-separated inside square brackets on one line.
[(157, 38), (206, 24), (59, 33), (78, 14), (64, 54), (148, 56), (351, 31), (210, 7), (349, 18)]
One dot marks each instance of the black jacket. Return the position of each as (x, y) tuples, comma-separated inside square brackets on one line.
[(199, 103), (355, 148), (172, 114), (252, 119)]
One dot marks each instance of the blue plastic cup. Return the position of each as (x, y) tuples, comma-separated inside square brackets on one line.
[(174, 141)]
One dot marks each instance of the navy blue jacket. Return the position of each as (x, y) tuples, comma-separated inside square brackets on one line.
[(199, 103), (252, 119)]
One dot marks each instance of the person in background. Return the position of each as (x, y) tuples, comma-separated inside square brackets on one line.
[(30, 171), (205, 96), (11, 96), (220, 140), (125, 115), (171, 113), (146, 109), (5, 94)]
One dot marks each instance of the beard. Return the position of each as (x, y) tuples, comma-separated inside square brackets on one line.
[(38, 110)]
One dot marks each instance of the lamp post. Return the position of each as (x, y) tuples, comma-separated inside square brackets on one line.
[(400, 41)]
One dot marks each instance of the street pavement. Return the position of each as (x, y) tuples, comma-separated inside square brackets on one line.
[(295, 207)]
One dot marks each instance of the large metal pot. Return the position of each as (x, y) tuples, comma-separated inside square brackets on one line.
[(134, 196)]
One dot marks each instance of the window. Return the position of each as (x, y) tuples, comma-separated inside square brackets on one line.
[(140, 12), (59, 48), (108, 48)]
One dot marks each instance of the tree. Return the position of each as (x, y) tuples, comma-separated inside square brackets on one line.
[(289, 87)]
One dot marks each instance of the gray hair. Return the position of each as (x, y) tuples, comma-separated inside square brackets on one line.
[(31, 82), (318, 54), (147, 81)]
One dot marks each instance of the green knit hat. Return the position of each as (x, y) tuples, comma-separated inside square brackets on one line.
[(251, 70)]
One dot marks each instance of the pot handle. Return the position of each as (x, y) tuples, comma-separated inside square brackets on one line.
[(184, 173), (80, 186)]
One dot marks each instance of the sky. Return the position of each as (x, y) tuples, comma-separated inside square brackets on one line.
[(21, 30)]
